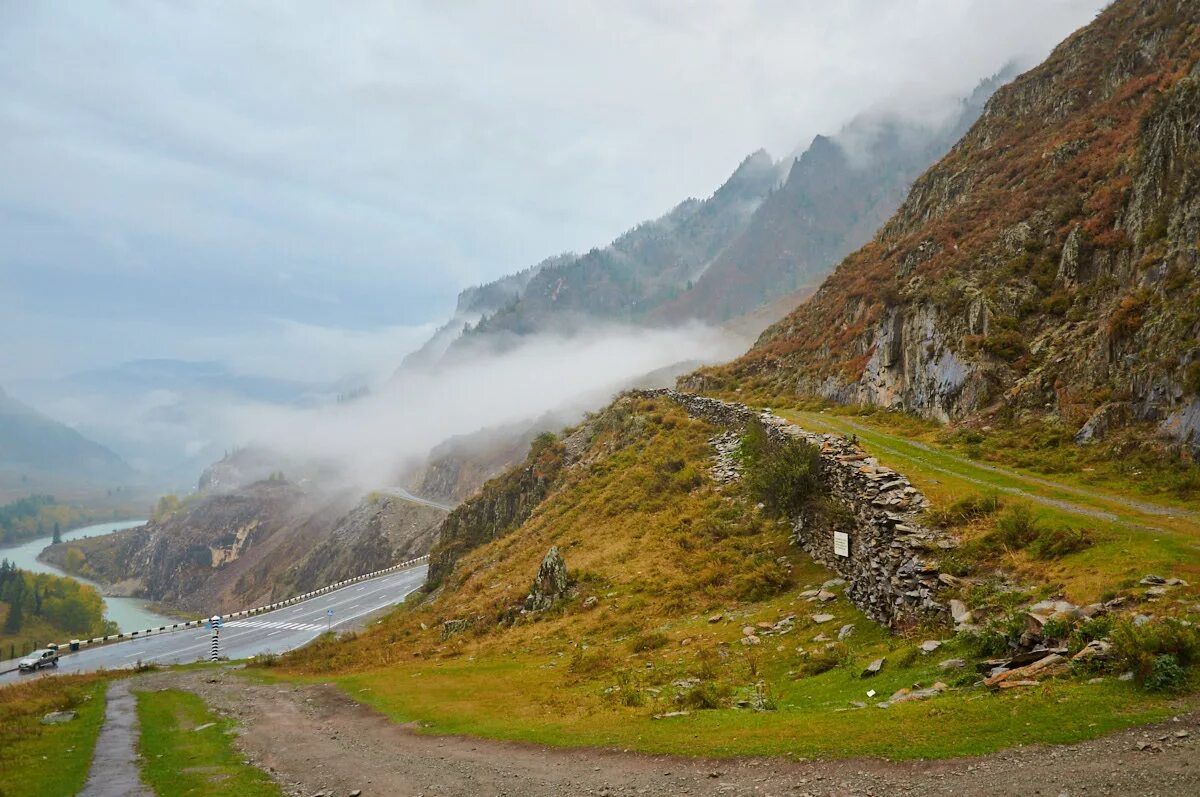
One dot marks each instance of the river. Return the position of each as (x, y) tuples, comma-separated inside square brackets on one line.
[(130, 614)]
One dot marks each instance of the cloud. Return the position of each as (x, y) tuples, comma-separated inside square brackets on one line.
[(204, 168), (370, 439)]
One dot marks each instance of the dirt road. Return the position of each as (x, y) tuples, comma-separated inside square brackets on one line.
[(313, 739)]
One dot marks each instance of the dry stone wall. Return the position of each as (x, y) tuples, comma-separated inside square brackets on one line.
[(891, 566)]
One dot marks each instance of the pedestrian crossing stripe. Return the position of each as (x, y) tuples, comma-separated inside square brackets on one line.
[(273, 625)]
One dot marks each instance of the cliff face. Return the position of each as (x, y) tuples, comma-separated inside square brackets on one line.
[(502, 505), (1048, 264), (256, 544)]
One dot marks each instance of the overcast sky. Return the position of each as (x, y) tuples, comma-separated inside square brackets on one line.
[(304, 186)]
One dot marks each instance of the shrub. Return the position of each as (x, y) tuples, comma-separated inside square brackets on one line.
[(783, 475), (647, 642), (1057, 542), (1007, 345), (588, 661), (1138, 649), (761, 581), (1092, 629), (1016, 528), (1057, 629), (1166, 675), (704, 695), (1020, 529), (1191, 381), (627, 692), (824, 660), (966, 509)]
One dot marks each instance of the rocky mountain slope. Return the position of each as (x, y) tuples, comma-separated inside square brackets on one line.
[(1047, 266), (838, 192), (258, 543), (32, 444), (769, 231)]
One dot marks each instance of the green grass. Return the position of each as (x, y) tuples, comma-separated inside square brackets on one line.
[(513, 699), (36, 759), (181, 761), (1130, 538)]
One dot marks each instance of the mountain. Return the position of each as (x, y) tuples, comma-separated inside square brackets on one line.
[(1046, 267), (745, 256), (642, 269), (32, 444), (837, 194)]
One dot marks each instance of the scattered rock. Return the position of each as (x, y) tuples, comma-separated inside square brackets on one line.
[(670, 714), (1043, 667), (58, 717), (846, 630), (930, 645), (825, 596), (751, 639), (952, 664), (822, 618), (959, 612), (873, 668), (452, 627), (1152, 580), (1096, 650), (716, 618), (590, 602)]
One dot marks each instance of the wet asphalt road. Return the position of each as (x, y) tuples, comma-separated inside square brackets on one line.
[(271, 632)]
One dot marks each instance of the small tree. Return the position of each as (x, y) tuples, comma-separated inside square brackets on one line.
[(15, 619)]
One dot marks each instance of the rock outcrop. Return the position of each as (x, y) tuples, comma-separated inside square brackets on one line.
[(891, 559), (550, 584), (253, 545)]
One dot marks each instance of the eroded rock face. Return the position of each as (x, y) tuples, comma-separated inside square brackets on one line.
[(893, 576), (550, 583)]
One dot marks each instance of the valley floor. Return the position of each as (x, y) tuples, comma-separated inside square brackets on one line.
[(313, 738)]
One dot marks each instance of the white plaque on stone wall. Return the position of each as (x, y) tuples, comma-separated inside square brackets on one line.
[(841, 543)]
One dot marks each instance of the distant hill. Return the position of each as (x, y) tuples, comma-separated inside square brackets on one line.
[(156, 414), (32, 443)]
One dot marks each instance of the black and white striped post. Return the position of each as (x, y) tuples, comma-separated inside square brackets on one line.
[(215, 622)]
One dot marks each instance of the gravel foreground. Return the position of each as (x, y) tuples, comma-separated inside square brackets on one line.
[(312, 739)]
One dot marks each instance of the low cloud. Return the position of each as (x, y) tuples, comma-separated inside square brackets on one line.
[(369, 440)]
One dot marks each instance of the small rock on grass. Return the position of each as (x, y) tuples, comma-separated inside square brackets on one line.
[(58, 717), (873, 668), (822, 618), (930, 645), (952, 664)]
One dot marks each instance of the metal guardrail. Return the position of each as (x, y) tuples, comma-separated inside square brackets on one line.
[(79, 644)]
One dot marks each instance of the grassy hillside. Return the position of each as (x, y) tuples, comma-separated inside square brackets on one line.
[(693, 625)]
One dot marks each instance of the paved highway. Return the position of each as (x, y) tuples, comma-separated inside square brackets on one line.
[(270, 632)]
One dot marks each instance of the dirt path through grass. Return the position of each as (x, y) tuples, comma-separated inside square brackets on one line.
[(1073, 499), (315, 739), (114, 771)]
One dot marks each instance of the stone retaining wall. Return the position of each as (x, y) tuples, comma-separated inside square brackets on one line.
[(891, 568)]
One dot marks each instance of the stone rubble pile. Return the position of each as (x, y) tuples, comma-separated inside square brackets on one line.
[(727, 467), (891, 569)]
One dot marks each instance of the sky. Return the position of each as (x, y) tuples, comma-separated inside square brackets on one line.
[(301, 188)]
